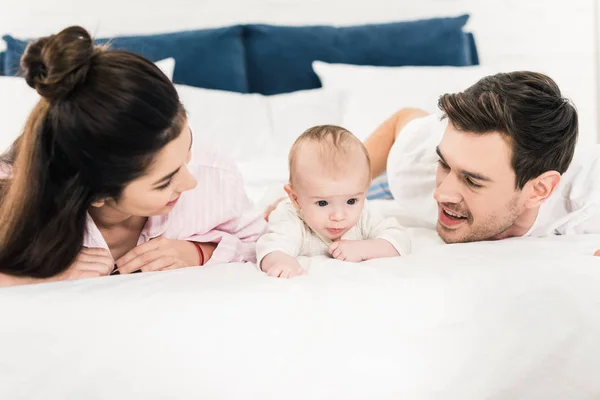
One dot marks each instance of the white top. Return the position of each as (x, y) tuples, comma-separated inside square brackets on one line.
[(290, 234), (573, 208)]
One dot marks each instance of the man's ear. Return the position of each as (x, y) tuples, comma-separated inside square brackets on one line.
[(292, 195), (542, 187)]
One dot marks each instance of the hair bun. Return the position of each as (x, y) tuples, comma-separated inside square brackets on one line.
[(55, 65)]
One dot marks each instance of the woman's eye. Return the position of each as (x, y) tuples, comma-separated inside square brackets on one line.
[(352, 202), (321, 203), (166, 185)]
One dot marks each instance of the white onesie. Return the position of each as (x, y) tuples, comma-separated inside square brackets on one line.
[(290, 234)]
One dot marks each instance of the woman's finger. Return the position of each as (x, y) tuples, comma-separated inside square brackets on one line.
[(158, 264), (101, 268), (82, 274), (94, 258), (138, 251), (98, 251), (139, 261)]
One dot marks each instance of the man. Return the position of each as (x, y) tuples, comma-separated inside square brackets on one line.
[(498, 163)]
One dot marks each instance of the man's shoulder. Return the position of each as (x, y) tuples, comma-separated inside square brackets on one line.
[(581, 181), (420, 131)]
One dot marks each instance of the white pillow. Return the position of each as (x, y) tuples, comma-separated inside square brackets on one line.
[(428, 80), (167, 66), (257, 131), (372, 94), (236, 124), (17, 100)]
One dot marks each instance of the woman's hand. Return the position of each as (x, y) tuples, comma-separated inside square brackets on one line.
[(90, 263), (163, 254)]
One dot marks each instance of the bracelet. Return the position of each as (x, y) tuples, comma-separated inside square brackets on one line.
[(200, 252)]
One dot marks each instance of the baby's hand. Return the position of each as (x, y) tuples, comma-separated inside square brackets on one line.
[(348, 250), (281, 265)]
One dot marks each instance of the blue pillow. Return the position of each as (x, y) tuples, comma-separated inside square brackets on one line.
[(279, 58), (473, 49), (208, 58), (2, 63)]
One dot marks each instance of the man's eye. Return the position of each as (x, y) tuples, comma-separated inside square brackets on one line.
[(472, 184), (443, 164), (352, 202), (322, 203)]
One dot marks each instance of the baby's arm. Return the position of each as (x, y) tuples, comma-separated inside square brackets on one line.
[(392, 239), (362, 250), (276, 251), (383, 237), (281, 265)]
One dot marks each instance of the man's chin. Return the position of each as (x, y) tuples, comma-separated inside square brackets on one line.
[(449, 235)]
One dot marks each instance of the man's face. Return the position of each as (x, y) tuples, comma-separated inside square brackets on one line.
[(475, 187)]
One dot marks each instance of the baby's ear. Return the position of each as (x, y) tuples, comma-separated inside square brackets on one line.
[(292, 195)]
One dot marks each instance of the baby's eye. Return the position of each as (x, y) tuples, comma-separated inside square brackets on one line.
[(322, 203), (352, 201)]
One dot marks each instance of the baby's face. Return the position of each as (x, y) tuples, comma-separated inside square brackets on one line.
[(331, 202)]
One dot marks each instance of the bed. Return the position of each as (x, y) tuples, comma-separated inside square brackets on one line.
[(516, 319)]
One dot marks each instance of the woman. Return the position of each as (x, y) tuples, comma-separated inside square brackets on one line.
[(98, 182)]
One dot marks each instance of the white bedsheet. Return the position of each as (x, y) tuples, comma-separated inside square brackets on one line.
[(516, 319)]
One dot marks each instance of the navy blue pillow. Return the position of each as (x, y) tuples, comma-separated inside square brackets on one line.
[(2, 63), (473, 49), (279, 58), (208, 58)]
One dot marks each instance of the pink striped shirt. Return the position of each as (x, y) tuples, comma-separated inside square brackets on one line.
[(217, 210)]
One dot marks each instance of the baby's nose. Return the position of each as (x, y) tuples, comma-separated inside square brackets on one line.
[(337, 215)]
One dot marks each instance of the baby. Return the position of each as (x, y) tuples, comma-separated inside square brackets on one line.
[(326, 213)]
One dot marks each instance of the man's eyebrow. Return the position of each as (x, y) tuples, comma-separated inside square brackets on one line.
[(439, 153), (474, 175), (191, 138)]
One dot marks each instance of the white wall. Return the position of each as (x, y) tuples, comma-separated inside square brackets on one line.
[(554, 36)]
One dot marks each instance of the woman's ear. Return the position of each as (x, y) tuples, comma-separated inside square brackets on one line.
[(98, 203), (292, 195)]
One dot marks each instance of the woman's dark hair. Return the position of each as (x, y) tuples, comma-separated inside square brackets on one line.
[(103, 116), (529, 109)]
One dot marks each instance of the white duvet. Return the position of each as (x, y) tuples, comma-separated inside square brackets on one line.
[(515, 319)]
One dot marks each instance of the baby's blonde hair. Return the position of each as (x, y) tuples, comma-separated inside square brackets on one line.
[(334, 141)]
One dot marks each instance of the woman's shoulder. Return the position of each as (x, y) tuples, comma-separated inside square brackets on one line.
[(210, 161)]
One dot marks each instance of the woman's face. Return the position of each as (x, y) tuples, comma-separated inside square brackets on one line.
[(157, 192)]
